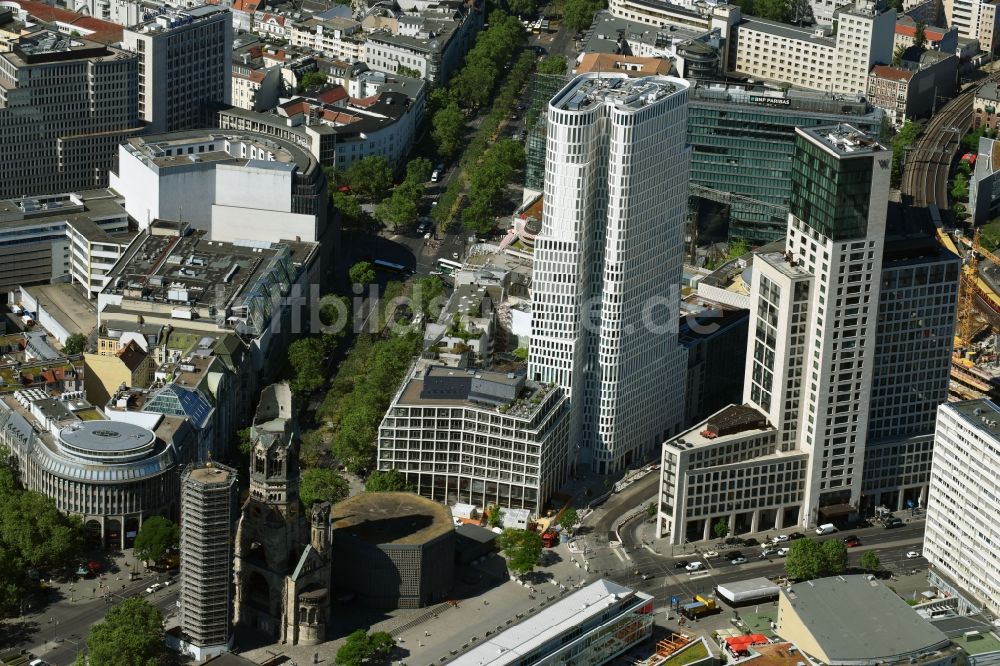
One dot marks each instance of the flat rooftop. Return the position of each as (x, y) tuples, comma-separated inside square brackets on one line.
[(843, 139), (188, 269), (853, 619), (212, 473), (392, 518), (558, 619), (980, 414), (728, 424), (182, 149), (777, 260), (785, 30), (67, 305), (615, 89)]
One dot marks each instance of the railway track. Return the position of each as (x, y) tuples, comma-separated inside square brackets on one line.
[(928, 164)]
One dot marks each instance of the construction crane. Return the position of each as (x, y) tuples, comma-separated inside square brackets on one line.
[(971, 285)]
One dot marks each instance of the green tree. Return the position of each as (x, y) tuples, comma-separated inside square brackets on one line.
[(130, 635), (721, 528), (307, 357), (805, 560), (552, 64), (737, 248), (521, 548), (370, 178), (75, 344), (361, 273), (318, 484), (494, 516), (397, 211), (774, 10), (800, 12), (870, 561), (651, 510), (311, 79), (920, 35), (35, 533), (156, 537), (403, 70), (960, 188), (351, 213), (523, 8), (901, 144), (390, 480), (579, 14), (244, 442), (361, 648), (834, 556), (314, 444), (569, 519), (448, 130), (521, 353), (419, 170), (428, 295)]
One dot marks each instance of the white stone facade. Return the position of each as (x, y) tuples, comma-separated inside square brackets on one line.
[(962, 535)]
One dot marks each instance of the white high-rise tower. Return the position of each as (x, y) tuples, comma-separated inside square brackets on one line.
[(608, 263)]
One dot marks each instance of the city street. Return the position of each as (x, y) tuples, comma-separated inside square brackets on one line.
[(59, 631)]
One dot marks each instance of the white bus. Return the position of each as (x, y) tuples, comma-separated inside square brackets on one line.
[(448, 266)]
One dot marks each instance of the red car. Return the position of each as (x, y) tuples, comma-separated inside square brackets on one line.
[(852, 541)]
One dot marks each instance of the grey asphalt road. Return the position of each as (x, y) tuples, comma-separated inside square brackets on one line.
[(63, 626)]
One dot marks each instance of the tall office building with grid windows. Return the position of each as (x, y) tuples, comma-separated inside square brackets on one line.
[(608, 262)]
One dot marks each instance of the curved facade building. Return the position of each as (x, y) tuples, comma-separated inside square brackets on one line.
[(608, 263), (112, 474)]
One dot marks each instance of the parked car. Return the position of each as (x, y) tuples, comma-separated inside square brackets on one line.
[(683, 564), (781, 538), (695, 566), (852, 541), (912, 555), (767, 552), (796, 535), (738, 560), (782, 552), (751, 542), (153, 588)]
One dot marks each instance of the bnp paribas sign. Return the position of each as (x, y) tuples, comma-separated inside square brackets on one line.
[(770, 101)]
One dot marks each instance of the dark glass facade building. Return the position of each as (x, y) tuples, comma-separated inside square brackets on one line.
[(742, 141)]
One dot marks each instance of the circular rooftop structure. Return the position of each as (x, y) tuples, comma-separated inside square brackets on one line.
[(392, 518), (110, 442)]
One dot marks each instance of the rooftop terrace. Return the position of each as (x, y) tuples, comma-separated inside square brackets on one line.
[(843, 139), (615, 89)]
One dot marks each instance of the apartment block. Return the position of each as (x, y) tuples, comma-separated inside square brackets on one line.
[(478, 437), (431, 45), (336, 37), (378, 117), (74, 237), (63, 80), (209, 509), (185, 63), (815, 58), (963, 520), (608, 263), (916, 89), (975, 19)]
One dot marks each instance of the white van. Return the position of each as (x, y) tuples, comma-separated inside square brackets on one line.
[(436, 176), (826, 528)]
